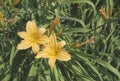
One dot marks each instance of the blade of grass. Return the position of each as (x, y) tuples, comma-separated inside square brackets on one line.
[(109, 67)]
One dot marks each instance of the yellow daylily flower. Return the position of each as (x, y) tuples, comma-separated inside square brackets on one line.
[(54, 51), (32, 37)]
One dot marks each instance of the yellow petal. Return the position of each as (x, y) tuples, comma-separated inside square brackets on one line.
[(25, 44), (61, 44), (23, 35), (41, 31), (43, 39), (42, 54), (31, 27), (51, 62), (35, 48), (63, 56), (50, 51), (53, 41)]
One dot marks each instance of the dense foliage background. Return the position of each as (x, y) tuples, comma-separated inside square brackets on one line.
[(79, 20)]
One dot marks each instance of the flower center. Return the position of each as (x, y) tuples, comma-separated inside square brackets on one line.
[(52, 52), (34, 37)]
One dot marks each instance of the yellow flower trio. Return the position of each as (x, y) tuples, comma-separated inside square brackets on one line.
[(34, 37)]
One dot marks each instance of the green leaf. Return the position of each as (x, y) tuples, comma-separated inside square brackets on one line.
[(33, 71), (82, 1), (93, 68), (76, 30), (6, 78), (75, 19), (109, 67)]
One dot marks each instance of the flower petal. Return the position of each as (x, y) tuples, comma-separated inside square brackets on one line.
[(35, 48), (51, 62), (63, 56), (25, 44), (53, 41), (41, 31), (23, 35), (43, 39), (31, 27), (42, 54), (61, 44)]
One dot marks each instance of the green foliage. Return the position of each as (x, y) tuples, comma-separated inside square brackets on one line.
[(79, 20)]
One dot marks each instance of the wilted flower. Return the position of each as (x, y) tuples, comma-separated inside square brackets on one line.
[(90, 40)]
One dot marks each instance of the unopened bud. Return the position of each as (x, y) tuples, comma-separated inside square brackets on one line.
[(1, 16), (15, 2), (103, 14), (54, 23)]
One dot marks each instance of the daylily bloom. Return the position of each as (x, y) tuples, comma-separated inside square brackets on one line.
[(33, 37), (54, 51)]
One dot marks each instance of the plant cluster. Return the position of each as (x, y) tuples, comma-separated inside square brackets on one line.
[(59, 40)]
